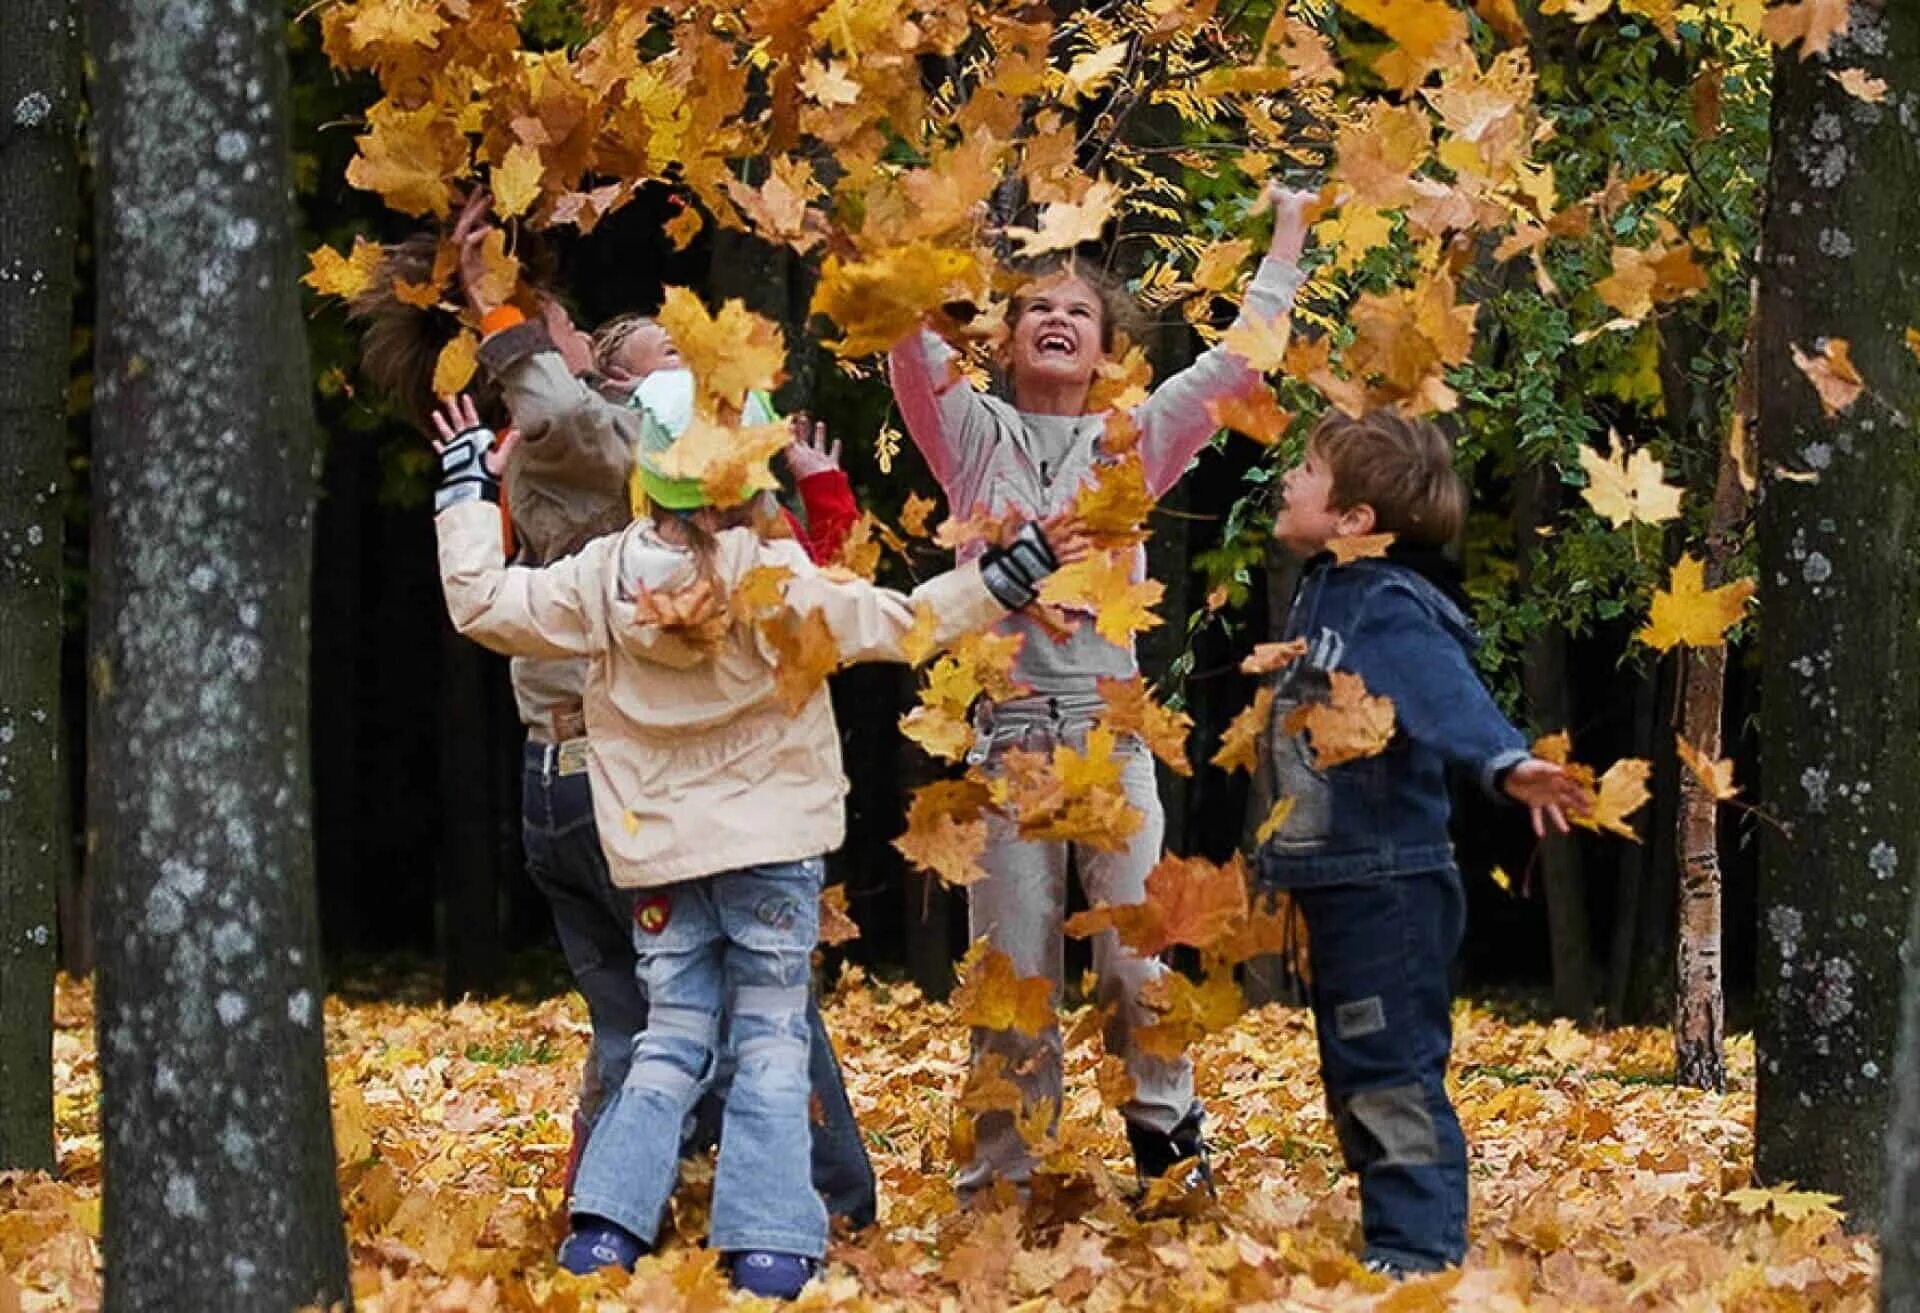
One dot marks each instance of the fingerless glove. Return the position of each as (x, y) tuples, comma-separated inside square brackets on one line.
[(464, 476), (1013, 573)]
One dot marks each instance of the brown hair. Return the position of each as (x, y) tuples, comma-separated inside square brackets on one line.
[(701, 527), (1400, 466), (1118, 314)]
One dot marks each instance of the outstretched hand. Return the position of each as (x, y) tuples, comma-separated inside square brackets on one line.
[(1291, 210), (808, 454), (458, 415), (469, 235), (1549, 792)]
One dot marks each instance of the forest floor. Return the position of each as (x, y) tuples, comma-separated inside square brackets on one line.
[(1597, 1184)]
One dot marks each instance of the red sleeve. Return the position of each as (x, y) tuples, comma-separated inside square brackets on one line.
[(831, 513)]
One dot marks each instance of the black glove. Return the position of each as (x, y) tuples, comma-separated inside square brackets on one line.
[(464, 475), (1013, 573)]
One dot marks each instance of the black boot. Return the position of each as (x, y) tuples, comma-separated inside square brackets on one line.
[(1155, 1153)]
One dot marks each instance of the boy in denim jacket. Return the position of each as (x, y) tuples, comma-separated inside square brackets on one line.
[(1365, 852)]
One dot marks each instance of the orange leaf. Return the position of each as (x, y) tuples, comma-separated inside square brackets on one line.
[(992, 996), (731, 354), (1065, 225), (1197, 901), (1276, 817), (1269, 657), (1257, 414), (1240, 744), (1349, 725), (333, 274), (946, 831), (1715, 776), (1361, 547), (807, 654), (1861, 85), (1131, 709), (913, 515), (1832, 374), (1813, 23), (455, 368), (837, 925)]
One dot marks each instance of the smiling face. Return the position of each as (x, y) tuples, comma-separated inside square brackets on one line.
[(1308, 520), (1057, 331)]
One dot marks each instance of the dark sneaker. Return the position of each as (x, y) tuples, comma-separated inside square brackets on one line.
[(1155, 1153), (597, 1243), (770, 1275)]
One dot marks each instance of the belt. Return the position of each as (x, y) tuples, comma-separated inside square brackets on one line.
[(551, 759)]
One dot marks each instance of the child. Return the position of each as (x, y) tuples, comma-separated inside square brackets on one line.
[(1365, 852), (1034, 455), (716, 801)]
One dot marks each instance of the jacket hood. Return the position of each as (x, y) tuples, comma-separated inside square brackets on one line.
[(1435, 577)]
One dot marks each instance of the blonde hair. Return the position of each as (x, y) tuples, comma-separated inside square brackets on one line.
[(612, 335), (1400, 466)]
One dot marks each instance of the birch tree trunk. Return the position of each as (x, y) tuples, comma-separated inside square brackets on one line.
[(1840, 601), (1900, 1223), (219, 1188), (39, 200)]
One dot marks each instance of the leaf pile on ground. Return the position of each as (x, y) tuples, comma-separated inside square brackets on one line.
[(1597, 1183)]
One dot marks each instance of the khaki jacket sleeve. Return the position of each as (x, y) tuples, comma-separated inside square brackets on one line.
[(570, 435), (556, 611), (869, 622)]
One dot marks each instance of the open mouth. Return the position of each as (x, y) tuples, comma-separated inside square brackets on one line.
[(1054, 344)]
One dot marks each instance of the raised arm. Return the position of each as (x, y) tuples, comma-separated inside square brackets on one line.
[(825, 491), (946, 418), (1175, 422), (554, 611)]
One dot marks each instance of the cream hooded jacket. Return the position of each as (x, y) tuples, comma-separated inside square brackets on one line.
[(696, 765)]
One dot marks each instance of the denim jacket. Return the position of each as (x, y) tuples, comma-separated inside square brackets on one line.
[(1388, 622)]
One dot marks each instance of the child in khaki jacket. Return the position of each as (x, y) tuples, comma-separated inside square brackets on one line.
[(715, 796)]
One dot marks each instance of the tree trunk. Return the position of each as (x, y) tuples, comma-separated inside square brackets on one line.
[(1699, 1017), (1900, 1224), (1543, 675), (1629, 947), (39, 82), (219, 1188), (1840, 600)]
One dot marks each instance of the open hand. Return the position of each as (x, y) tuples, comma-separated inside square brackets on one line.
[(1068, 537), (1549, 792), (469, 234), (809, 454), (458, 415)]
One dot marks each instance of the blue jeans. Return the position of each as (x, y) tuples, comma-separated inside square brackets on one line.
[(734, 947), (1381, 955), (594, 921)]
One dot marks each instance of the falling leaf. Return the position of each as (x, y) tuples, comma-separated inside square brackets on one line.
[(499, 270), (1813, 23), (1269, 657), (806, 653), (1114, 1081), (1691, 613), (1556, 748), (1349, 725), (1131, 709), (942, 732), (1832, 374), (1240, 742), (913, 515), (920, 642), (1114, 504), (732, 464), (1261, 342), (1861, 85), (879, 301), (993, 996), (946, 830), (1715, 776), (762, 588), (730, 354), (1912, 339), (1256, 413), (683, 227), (1095, 69), (332, 274), (1501, 880), (1276, 817), (1065, 225), (837, 925), (1623, 487), (516, 181), (455, 368), (1360, 547), (1617, 795), (1196, 901), (1103, 585)]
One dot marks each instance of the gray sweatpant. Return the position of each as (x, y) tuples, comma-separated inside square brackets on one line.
[(1019, 909)]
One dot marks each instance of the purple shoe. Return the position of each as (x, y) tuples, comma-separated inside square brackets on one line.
[(770, 1275), (597, 1243)]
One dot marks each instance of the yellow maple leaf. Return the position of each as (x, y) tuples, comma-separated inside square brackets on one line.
[(993, 996), (806, 654), (913, 515), (1691, 613), (1261, 342), (1102, 584), (1131, 709), (516, 181), (1352, 231), (1065, 225), (1556, 747), (1276, 817), (333, 274), (1115, 502), (1714, 775), (878, 301), (946, 830), (499, 270), (1218, 265), (941, 731), (1832, 374), (731, 463), (1617, 795), (919, 642), (1352, 723), (1785, 1202), (1240, 742), (731, 353), (456, 365), (762, 588), (1623, 486), (410, 157)]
